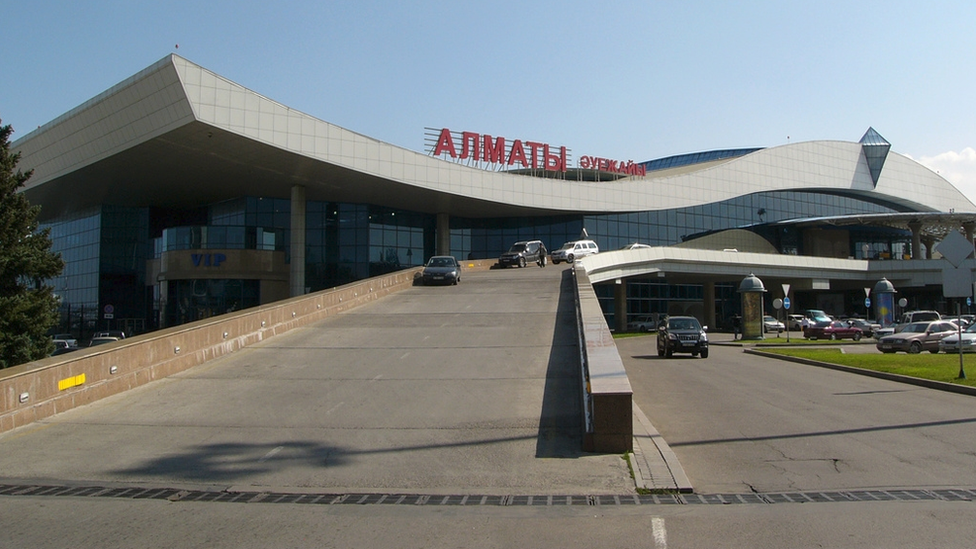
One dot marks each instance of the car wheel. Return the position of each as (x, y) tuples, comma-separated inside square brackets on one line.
[(521, 262), (915, 348), (934, 351), (555, 262), (704, 353), (570, 258), (857, 336)]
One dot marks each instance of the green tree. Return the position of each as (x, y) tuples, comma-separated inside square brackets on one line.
[(28, 308)]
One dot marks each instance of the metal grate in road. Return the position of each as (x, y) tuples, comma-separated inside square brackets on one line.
[(172, 494)]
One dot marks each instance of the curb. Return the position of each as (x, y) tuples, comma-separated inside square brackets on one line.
[(656, 467), (927, 383)]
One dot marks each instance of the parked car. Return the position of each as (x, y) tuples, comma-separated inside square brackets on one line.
[(63, 350), (867, 328), (69, 339), (917, 337), (908, 318), (770, 324), (635, 246), (681, 334), (643, 323), (574, 249), (521, 254), (441, 269), (811, 317), (101, 340), (795, 322), (950, 343), (117, 334), (833, 329)]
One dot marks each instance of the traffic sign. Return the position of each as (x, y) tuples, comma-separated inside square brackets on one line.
[(786, 303)]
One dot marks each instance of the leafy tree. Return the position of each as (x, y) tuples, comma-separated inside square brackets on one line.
[(28, 308)]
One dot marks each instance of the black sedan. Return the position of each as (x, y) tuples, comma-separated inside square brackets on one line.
[(441, 269)]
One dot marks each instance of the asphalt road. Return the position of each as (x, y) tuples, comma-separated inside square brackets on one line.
[(742, 423)]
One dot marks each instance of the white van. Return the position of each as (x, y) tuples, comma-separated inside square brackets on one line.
[(571, 250)]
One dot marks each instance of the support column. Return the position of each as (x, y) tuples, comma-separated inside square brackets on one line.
[(297, 244), (708, 304), (620, 305), (916, 228), (929, 243), (443, 235)]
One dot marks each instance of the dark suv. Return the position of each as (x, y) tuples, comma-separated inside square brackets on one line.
[(521, 253), (681, 334)]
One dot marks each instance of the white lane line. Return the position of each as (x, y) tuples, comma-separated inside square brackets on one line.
[(660, 533), (334, 408), (271, 454)]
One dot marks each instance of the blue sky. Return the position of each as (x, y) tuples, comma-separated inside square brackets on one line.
[(627, 80)]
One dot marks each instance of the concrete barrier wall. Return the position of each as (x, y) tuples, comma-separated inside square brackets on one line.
[(37, 390), (40, 389), (607, 394)]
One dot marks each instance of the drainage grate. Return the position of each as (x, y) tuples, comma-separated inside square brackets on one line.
[(948, 494)]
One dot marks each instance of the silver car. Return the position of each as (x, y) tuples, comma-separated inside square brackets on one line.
[(950, 343), (917, 337)]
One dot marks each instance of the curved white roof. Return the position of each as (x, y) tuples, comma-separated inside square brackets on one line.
[(176, 134)]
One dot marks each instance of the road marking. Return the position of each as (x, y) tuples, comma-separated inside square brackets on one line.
[(660, 533), (334, 408), (271, 454), (405, 355), (377, 378)]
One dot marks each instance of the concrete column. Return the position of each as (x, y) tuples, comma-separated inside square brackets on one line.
[(163, 299), (708, 304), (916, 228), (929, 243), (443, 235), (297, 275), (620, 305)]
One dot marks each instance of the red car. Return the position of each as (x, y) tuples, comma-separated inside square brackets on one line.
[(835, 329)]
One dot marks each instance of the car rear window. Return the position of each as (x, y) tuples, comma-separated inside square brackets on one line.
[(918, 317)]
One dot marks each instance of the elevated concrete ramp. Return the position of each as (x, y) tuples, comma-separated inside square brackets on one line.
[(437, 390)]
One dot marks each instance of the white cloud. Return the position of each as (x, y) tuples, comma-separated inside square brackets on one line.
[(959, 168)]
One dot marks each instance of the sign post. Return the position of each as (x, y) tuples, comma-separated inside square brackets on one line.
[(786, 306)]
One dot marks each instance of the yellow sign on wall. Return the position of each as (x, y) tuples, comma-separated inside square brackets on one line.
[(70, 382)]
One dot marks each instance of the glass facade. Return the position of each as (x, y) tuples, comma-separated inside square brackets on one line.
[(106, 249)]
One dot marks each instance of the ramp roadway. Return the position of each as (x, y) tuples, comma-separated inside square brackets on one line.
[(468, 389)]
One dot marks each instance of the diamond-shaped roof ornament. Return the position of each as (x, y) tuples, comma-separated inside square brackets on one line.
[(875, 150)]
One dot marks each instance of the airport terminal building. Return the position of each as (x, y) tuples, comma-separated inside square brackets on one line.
[(177, 195)]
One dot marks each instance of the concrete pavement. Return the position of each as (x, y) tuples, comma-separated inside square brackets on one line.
[(458, 390)]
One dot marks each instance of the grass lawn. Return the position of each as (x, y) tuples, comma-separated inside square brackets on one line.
[(940, 367)]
